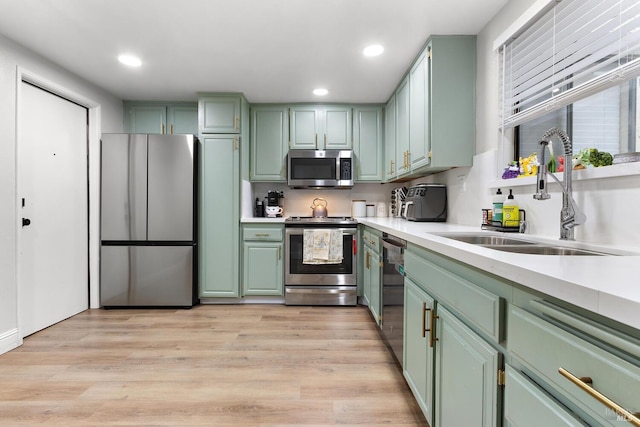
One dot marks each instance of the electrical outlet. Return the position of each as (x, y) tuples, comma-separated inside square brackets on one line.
[(462, 183)]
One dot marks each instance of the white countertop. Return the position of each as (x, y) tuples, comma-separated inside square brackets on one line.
[(607, 285), (261, 220)]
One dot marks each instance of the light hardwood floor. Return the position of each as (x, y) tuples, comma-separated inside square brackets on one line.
[(213, 365)]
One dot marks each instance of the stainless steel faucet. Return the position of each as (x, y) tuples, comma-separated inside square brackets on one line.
[(570, 215)]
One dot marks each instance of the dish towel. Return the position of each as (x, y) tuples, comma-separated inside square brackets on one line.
[(322, 246)]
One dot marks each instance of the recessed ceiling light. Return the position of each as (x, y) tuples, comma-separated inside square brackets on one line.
[(320, 92), (130, 60), (373, 50)]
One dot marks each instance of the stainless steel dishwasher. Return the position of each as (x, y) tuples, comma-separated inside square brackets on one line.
[(393, 292)]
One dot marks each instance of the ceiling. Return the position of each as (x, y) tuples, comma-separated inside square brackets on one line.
[(271, 50)]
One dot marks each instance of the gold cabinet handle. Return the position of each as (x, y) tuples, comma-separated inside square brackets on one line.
[(262, 234), (237, 122), (162, 129), (586, 384), (171, 129), (432, 328), (235, 143), (279, 253), (391, 170), (367, 263)]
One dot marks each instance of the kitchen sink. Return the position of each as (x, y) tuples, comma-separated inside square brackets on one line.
[(518, 246), (543, 250), (475, 239)]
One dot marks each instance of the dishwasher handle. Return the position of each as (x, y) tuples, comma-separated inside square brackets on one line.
[(393, 244)]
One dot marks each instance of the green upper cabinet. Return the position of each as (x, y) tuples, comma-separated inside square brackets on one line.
[(183, 119), (389, 164), (219, 113), (402, 128), (419, 141), (269, 143), (451, 131), (321, 127), (161, 118), (435, 109), (367, 143)]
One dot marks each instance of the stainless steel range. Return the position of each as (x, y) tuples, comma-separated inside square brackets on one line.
[(320, 261)]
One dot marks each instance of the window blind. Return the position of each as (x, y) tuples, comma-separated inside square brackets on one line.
[(574, 50)]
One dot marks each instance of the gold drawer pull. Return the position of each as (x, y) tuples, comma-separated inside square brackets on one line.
[(433, 328), (586, 384), (262, 234)]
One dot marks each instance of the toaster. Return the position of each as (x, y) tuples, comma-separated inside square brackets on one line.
[(426, 202)]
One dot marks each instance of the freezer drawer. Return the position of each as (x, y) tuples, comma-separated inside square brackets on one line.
[(146, 276)]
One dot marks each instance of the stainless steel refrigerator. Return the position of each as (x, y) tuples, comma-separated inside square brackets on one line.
[(148, 221)]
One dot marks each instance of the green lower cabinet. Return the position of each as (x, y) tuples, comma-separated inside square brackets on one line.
[(466, 375), (372, 285), (418, 355), (528, 405), (262, 261), (219, 254)]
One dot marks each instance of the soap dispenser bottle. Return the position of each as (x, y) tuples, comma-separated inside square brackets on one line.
[(497, 207), (510, 212)]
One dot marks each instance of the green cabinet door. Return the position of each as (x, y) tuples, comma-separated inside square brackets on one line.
[(419, 111), (452, 104), (304, 125), (337, 130), (402, 128), (466, 375), (367, 143), (219, 216), (389, 166), (418, 355), (321, 127), (528, 405), (374, 287), (269, 143), (262, 268), (183, 119), (142, 118), (219, 114)]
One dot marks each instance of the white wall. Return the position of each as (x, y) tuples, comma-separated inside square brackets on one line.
[(610, 204), (11, 57)]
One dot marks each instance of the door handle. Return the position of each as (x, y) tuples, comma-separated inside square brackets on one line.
[(26, 222)]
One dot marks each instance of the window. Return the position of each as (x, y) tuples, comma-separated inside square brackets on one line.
[(577, 68)]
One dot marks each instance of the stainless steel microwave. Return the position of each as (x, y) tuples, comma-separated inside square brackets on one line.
[(320, 169)]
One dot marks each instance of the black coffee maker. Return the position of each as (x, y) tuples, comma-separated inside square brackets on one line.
[(275, 198)]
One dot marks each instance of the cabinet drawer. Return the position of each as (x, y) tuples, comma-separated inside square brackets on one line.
[(545, 348), (477, 306), (263, 233), (526, 405)]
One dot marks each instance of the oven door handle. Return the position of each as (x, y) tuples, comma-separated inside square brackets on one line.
[(355, 246)]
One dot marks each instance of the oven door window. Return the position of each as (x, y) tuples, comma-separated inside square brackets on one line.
[(297, 267), (313, 168)]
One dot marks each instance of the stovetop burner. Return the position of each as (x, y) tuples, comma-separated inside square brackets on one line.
[(331, 220)]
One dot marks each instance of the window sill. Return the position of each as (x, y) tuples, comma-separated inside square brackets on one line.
[(613, 171)]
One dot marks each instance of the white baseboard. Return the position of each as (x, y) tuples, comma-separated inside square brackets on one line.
[(9, 340)]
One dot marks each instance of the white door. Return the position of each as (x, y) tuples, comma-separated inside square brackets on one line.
[(53, 250)]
